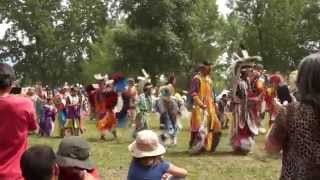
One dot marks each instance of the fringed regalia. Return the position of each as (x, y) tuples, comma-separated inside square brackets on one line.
[(168, 109), (205, 126), (106, 119), (47, 120), (143, 108), (246, 106)]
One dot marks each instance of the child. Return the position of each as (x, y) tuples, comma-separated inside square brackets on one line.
[(60, 101), (47, 118), (73, 113), (147, 160)]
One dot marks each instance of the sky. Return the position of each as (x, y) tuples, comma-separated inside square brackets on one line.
[(222, 7)]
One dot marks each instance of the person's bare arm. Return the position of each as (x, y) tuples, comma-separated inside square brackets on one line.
[(271, 146), (32, 117), (277, 134), (177, 171)]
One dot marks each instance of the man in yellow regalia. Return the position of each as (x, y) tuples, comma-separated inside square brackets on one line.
[(205, 126)]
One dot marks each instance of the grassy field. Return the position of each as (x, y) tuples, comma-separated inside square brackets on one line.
[(112, 157)]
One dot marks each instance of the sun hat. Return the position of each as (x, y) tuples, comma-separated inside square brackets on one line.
[(146, 145), (74, 152)]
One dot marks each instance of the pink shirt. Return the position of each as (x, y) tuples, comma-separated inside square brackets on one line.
[(17, 117)]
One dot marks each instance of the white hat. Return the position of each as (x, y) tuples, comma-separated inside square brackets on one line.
[(146, 145)]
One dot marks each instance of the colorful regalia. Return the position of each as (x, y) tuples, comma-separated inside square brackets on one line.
[(47, 120), (104, 107), (143, 108), (132, 93), (246, 106), (73, 114), (204, 122), (271, 94), (120, 86), (244, 117), (60, 102)]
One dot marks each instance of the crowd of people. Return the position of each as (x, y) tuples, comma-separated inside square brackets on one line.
[(116, 101)]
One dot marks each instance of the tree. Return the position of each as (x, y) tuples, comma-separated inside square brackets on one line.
[(153, 37), (281, 31), (309, 36), (163, 37), (103, 54), (48, 39)]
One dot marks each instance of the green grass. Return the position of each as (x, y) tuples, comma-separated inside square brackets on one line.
[(112, 157)]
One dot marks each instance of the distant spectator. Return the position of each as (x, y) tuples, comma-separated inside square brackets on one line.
[(147, 160), (296, 130), (39, 163), (17, 117), (222, 105), (73, 159)]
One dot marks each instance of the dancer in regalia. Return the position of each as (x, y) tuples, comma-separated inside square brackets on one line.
[(106, 100), (270, 96), (168, 109), (120, 86), (47, 118), (132, 93), (245, 106), (60, 102), (205, 126), (73, 112), (144, 106)]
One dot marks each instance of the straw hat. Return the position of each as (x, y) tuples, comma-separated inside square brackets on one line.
[(146, 145)]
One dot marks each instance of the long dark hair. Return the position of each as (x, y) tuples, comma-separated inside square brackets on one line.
[(157, 160), (308, 81)]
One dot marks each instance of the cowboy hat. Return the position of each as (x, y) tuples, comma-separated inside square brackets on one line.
[(146, 145)]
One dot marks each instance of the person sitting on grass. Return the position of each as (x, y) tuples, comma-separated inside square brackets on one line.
[(73, 160), (147, 160)]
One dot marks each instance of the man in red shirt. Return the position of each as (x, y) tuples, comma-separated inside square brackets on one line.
[(17, 117)]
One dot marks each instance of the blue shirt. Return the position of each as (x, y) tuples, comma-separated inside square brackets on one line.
[(139, 172)]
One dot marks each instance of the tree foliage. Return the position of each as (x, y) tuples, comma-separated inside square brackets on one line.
[(53, 41), (278, 30), (48, 39)]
